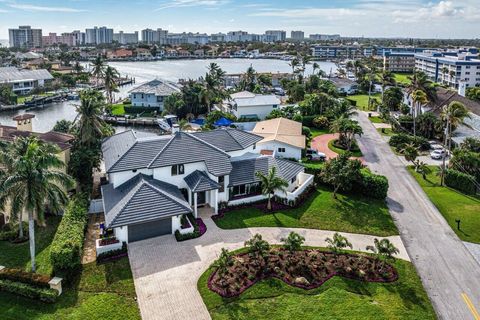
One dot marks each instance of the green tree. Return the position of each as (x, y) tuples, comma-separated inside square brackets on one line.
[(410, 151), (270, 183), (223, 262), (98, 69), (419, 81), (110, 78), (341, 172), (338, 243), (419, 98), (387, 78), (174, 103), (63, 126), (257, 246), (422, 168), (473, 93), (293, 242), (88, 121), (383, 249), (393, 98), (35, 183), (347, 130)]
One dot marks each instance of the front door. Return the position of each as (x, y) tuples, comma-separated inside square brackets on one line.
[(201, 198)]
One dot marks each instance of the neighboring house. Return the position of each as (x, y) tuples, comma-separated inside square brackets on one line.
[(250, 105), (120, 54), (470, 126), (23, 81), (153, 93), (345, 85), (282, 138), (24, 129), (154, 181)]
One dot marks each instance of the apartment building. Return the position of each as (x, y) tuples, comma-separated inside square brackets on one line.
[(336, 52), (324, 37), (453, 68), (297, 35), (275, 35), (79, 37), (98, 35), (126, 38), (54, 39), (154, 36), (25, 37), (403, 62)]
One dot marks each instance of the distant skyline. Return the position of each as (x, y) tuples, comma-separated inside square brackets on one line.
[(369, 18)]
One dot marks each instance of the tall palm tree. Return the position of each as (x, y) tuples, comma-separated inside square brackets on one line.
[(315, 67), (419, 98), (98, 69), (384, 249), (419, 81), (110, 79), (294, 64), (387, 78), (77, 67), (270, 183), (36, 182), (444, 71), (88, 121)]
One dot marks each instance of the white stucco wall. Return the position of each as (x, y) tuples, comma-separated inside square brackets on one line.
[(290, 151), (165, 173), (260, 111), (148, 100), (121, 233), (118, 178), (176, 223), (239, 153)]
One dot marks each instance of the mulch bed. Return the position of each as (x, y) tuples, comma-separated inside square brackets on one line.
[(306, 269)]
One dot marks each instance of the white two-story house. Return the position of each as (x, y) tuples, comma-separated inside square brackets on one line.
[(250, 105), (154, 181), (153, 94)]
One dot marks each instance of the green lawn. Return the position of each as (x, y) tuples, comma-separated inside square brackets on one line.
[(22, 99), (338, 298), (100, 291), (356, 153), (376, 119), (318, 132), (386, 132), (453, 205), (362, 100), (402, 78), (349, 213)]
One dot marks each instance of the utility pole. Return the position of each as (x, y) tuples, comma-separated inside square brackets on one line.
[(447, 132)]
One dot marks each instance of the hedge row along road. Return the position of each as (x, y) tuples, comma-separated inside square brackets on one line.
[(447, 269)]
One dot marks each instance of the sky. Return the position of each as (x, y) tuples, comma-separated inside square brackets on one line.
[(369, 18)]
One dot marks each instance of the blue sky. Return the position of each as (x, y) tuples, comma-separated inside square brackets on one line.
[(380, 18)]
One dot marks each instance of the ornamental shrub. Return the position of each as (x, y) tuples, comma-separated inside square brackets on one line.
[(18, 275), (373, 185), (398, 141), (29, 291), (461, 181), (67, 245), (308, 121), (321, 122)]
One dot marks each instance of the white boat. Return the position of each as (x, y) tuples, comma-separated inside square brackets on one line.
[(167, 122)]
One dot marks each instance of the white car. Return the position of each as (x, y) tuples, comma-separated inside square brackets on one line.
[(438, 154), (314, 155)]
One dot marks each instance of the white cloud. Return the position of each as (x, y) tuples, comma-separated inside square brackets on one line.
[(30, 7), (192, 3)]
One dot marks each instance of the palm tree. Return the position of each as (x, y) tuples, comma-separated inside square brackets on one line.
[(419, 81), (88, 121), (419, 98), (453, 115), (338, 242), (270, 183), (383, 249), (294, 64), (110, 80), (444, 71), (77, 67), (386, 79), (98, 69), (422, 168), (315, 67), (410, 152), (223, 261), (36, 182)]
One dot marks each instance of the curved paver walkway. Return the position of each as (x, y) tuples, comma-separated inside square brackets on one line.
[(320, 143), (166, 271)]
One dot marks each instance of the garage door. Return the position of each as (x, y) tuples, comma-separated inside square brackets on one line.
[(149, 230)]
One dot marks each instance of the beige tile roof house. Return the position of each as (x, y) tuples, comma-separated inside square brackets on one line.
[(279, 134)]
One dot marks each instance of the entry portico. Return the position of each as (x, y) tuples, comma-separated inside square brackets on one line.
[(202, 190)]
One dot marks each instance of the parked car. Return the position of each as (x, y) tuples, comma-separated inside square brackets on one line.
[(435, 145), (313, 154), (438, 154)]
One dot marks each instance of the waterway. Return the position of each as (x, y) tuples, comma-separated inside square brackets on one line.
[(173, 70)]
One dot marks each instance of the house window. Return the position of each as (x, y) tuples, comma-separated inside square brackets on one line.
[(159, 99), (281, 150), (254, 146), (239, 190), (293, 180), (275, 106), (178, 169), (143, 96), (221, 182)]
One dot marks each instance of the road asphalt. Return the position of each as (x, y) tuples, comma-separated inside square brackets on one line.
[(449, 272)]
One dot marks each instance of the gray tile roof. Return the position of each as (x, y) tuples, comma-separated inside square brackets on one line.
[(199, 181), (229, 139), (157, 87), (114, 147), (186, 148), (244, 171), (141, 199), (11, 74)]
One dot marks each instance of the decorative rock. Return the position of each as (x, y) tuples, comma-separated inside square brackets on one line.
[(301, 281), (56, 284)]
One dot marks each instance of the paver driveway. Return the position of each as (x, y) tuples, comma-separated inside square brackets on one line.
[(166, 271)]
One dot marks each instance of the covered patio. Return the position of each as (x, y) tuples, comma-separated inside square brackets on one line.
[(202, 190)]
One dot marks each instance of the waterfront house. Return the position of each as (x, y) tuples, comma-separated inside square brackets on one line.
[(153, 93), (23, 81), (250, 105), (344, 85), (282, 138), (154, 181)]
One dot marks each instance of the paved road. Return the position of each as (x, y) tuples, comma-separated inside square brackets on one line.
[(447, 268), (166, 271)]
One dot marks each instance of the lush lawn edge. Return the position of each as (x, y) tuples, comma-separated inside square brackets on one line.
[(356, 153)]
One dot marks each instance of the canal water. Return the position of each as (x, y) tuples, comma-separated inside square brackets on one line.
[(173, 70)]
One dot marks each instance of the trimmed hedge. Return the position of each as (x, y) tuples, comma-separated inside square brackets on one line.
[(308, 121), (113, 255), (66, 248), (373, 185), (136, 110), (399, 140), (461, 181), (29, 291), (18, 275)]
